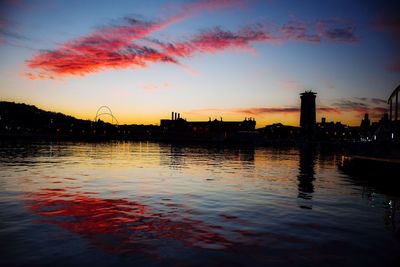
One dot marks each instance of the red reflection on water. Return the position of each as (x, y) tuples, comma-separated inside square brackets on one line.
[(120, 225)]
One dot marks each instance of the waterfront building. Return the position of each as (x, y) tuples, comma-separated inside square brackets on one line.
[(308, 114), (178, 128)]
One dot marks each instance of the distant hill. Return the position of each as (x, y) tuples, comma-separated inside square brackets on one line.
[(22, 120), (18, 116)]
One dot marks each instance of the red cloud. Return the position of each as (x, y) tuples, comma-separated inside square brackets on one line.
[(113, 46), (128, 45), (216, 39), (74, 62), (109, 47), (122, 221)]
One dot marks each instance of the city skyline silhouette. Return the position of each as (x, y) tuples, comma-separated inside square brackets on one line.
[(251, 59)]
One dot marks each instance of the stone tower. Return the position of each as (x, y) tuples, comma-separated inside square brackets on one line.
[(308, 113)]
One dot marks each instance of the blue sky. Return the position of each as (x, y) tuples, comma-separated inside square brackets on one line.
[(204, 59)]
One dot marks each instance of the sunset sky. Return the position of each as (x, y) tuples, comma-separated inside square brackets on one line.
[(210, 58)]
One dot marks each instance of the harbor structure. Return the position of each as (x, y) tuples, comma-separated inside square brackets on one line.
[(178, 128), (308, 114)]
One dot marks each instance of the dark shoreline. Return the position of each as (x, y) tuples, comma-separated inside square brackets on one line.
[(371, 149)]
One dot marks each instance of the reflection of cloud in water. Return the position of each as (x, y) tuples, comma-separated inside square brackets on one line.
[(121, 226)]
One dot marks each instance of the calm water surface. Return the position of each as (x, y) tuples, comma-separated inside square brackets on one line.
[(151, 204)]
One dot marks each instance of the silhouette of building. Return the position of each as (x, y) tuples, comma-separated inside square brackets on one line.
[(178, 128), (365, 123), (278, 131), (365, 127), (394, 107), (308, 113), (394, 122), (335, 131)]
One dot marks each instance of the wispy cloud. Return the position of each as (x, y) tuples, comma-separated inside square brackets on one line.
[(376, 107), (128, 43), (336, 30), (285, 110), (156, 87), (109, 47), (258, 111), (299, 31), (254, 111), (377, 101), (330, 30), (8, 34), (113, 46), (215, 40)]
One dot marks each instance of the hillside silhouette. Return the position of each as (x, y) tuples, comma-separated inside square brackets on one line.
[(22, 120)]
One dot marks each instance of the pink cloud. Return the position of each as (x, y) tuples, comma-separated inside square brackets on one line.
[(113, 46), (108, 47), (39, 76), (157, 87), (128, 45), (215, 40)]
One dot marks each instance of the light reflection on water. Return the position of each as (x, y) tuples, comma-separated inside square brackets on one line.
[(152, 204)]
